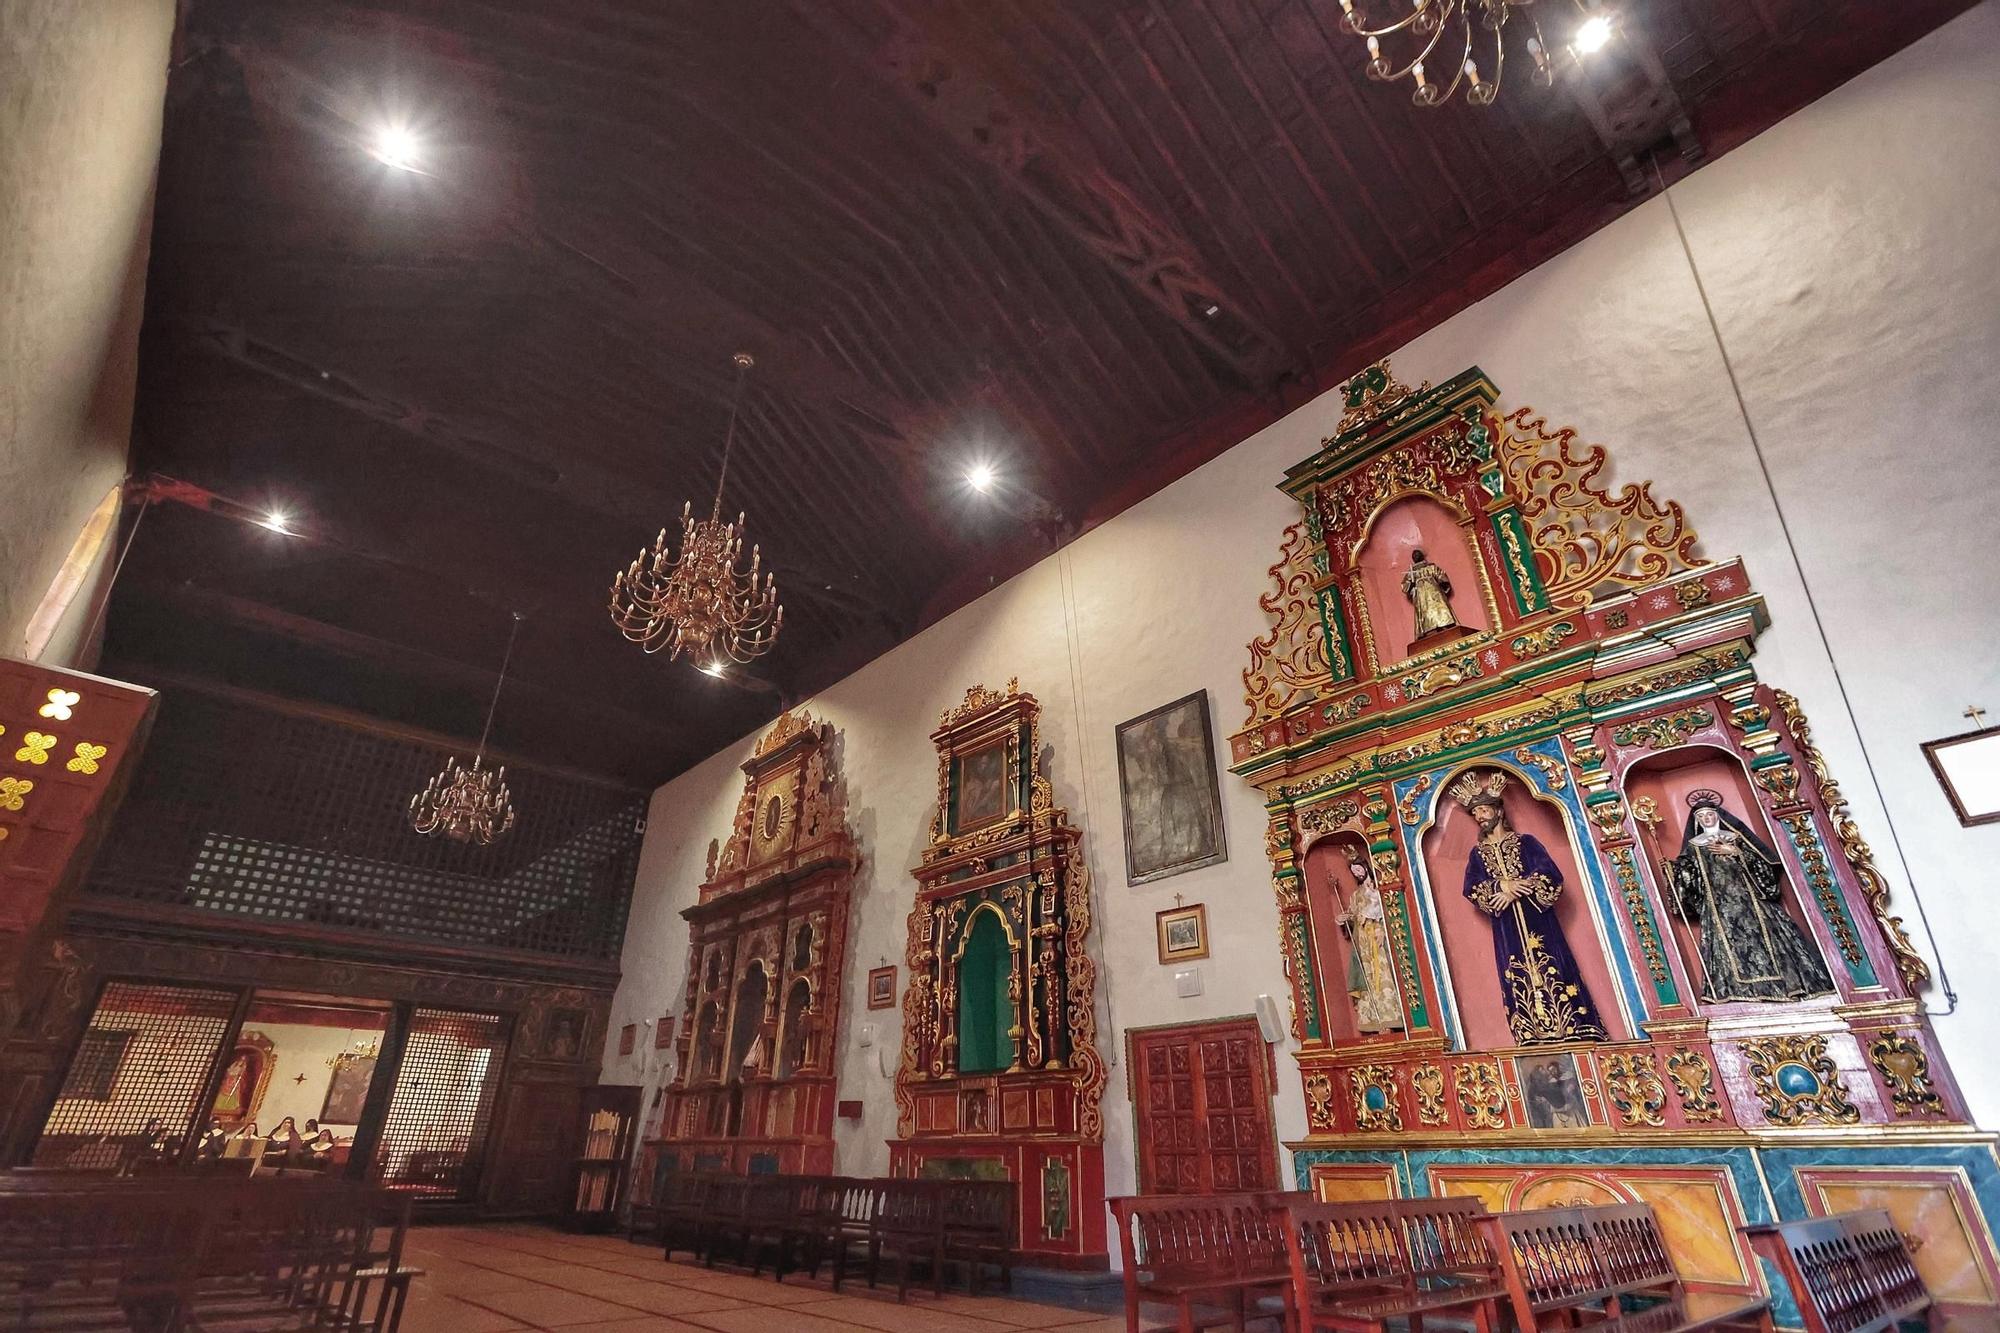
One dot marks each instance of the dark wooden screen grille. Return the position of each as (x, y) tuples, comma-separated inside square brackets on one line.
[(435, 1135), (287, 818), (173, 1034)]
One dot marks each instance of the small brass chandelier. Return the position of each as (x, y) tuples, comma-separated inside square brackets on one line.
[(470, 804), (698, 602), (1442, 34)]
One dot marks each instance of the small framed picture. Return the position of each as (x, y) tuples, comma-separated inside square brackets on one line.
[(1551, 1092), (1968, 768), (1183, 933), (882, 987), (663, 1034), (628, 1037)]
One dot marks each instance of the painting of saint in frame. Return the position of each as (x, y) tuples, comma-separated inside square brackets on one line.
[(982, 787), (1168, 789)]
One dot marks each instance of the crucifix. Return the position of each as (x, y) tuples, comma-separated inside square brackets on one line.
[(1978, 716), (1177, 901)]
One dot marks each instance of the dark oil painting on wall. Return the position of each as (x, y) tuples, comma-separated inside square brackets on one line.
[(1167, 786)]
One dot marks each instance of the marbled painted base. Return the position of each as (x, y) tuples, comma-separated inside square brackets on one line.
[(1941, 1195)]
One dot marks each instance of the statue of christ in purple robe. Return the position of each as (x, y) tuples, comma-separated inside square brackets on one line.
[(1511, 877)]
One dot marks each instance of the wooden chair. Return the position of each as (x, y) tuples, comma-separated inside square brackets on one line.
[(1357, 1266), (1200, 1252), (1850, 1273), (1559, 1262)]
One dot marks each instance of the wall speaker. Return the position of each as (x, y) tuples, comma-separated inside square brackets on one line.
[(1270, 1023)]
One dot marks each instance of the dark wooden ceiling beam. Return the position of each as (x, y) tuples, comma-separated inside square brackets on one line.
[(1058, 176), (471, 680), (600, 490)]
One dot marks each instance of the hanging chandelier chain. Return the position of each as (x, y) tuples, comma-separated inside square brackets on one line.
[(506, 657), (743, 364)]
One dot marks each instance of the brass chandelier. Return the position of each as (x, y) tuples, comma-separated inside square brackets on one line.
[(1441, 33), (698, 602), (470, 804)]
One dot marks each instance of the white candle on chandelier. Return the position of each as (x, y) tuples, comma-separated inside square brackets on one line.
[(1374, 49)]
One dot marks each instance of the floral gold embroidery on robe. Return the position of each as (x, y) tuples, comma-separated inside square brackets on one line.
[(1511, 877), (1729, 884)]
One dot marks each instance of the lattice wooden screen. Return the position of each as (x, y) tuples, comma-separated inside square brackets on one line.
[(434, 1138), (147, 1055), (258, 813)]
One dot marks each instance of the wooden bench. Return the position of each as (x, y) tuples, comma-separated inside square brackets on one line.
[(1205, 1251), (1850, 1273), (249, 1257), (1557, 1262), (1357, 1266)]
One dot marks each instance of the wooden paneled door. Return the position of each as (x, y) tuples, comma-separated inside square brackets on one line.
[(1203, 1104)]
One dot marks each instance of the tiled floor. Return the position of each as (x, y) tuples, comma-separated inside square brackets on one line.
[(494, 1278)]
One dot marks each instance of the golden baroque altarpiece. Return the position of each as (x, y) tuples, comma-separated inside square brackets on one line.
[(1556, 870), (1000, 1074), (754, 1083)]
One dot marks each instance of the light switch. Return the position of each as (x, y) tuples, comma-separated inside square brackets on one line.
[(1187, 982)]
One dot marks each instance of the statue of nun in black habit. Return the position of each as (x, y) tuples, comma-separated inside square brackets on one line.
[(1729, 884)]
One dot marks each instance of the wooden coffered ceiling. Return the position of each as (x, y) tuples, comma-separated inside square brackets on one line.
[(1098, 241)]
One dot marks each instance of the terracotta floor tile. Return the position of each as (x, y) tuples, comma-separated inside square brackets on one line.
[(755, 1290), (663, 1298), (1017, 1314), (641, 1264), (751, 1320), (442, 1314), (552, 1307), (651, 1323), (919, 1315), (465, 1279)]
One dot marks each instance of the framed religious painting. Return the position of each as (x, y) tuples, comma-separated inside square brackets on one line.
[(663, 1034), (347, 1090), (1552, 1092), (1168, 791), (1968, 768), (882, 987), (628, 1037), (982, 787), (1183, 933)]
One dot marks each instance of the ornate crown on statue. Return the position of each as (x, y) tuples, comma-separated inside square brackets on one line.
[(1479, 788), (1706, 796)]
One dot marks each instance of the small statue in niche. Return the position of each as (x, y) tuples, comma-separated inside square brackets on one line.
[(1371, 976), (1511, 877), (1429, 589), (1729, 884)]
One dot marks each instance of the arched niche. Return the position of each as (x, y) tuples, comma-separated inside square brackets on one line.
[(985, 1009), (1344, 956), (1467, 932), (1417, 523), (793, 1033), (708, 1042), (752, 991), (1660, 785)]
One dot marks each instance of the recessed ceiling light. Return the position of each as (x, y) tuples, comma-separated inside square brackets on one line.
[(395, 146), (1594, 33), (980, 477), (277, 521)]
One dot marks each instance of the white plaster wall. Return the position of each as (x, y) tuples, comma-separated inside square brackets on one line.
[(1851, 261), (81, 87)]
